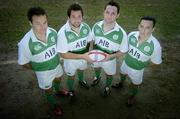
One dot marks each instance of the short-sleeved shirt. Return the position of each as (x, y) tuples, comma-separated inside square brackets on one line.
[(140, 55), (42, 56), (110, 42), (70, 41)]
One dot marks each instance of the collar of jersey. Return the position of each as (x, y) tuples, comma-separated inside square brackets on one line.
[(116, 28), (137, 34), (35, 39), (68, 27)]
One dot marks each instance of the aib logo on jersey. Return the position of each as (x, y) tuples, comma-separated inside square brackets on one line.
[(81, 44), (103, 43), (50, 53), (133, 52)]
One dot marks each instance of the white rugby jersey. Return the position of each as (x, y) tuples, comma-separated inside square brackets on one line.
[(110, 42), (42, 56), (70, 41), (140, 55)]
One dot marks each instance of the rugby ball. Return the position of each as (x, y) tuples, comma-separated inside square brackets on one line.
[(97, 55)]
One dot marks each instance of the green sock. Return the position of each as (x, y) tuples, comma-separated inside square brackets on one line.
[(56, 86), (109, 80), (70, 83), (133, 90), (122, 77), (80, 75), (51, 99), (97, 73)]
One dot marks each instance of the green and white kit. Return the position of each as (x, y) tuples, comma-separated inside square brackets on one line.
[(41, 56), (109, 42), (139, 56), (70, 41)]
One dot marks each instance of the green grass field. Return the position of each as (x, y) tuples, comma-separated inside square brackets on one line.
[(14, 24)]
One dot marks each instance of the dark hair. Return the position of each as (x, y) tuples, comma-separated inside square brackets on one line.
[(112, 3), (149, 19), (74, 7), (35, 11)]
